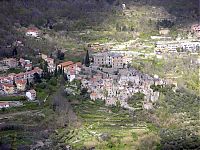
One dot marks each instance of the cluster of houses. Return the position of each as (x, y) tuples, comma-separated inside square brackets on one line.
[(178, 46), (12, 83), (50, 62), (16, 82), (118, 82), (13, 63), (70, 68)]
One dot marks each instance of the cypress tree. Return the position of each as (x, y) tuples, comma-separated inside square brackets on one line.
[(14, 83), (56, 71), (60, 70), (45, 67), (87, 59), (63, 71), (14, 52), (27, 84)]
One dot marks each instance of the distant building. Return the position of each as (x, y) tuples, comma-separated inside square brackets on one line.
[(28, 67), (22, 62), (65, 65), (123, 6), (113, 60), (71, 75), (44, 57), (31, 94), (191, 46), (4, 105), (8, 88), (11, 62), (196, 29), (50, 61), (71, 69), (34, 32), (6, 80), (21, 84), (164, 31)]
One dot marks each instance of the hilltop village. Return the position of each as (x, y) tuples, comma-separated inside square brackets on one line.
[(108, 77), (99, 75), (109, 74), (111, 78)]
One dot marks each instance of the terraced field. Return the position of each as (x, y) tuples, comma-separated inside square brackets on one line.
[(102, 129)]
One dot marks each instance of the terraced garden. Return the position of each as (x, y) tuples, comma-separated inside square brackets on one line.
[(103, 129)]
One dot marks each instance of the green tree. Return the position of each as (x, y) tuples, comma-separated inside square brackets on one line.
[(36, 78)]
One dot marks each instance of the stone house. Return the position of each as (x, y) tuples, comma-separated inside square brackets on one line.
[(8, 88), (21, 84)]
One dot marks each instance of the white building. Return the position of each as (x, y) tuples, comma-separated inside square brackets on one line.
[(31, 94), (191, 46), (33, 32)]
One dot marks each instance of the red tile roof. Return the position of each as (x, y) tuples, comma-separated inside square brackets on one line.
[(20, 81), (4, 103), (32, 29), (28, 65), (65, 64), (8, 85)]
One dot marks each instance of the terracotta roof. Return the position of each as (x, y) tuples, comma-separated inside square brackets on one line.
[(28, 65), (32, 29), (20, 81), (8, 85), (65, 64), (4, 103), (6, 78), (19, 74)]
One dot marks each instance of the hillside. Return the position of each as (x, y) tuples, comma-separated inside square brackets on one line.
[(68, 114), (71, 24)]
